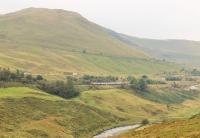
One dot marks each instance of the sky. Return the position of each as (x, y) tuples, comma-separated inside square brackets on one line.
[(158, 19)]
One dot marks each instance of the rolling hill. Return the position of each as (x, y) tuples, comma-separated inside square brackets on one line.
[(53, 42), (181, 51), (28, 112)]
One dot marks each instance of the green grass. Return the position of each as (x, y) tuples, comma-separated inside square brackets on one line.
[(31, 113), (21, 92), (123, 103)]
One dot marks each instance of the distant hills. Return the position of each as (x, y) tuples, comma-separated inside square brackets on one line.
[(182, 51), (53, 42)]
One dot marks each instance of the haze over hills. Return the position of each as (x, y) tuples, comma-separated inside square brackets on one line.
[(182, 51), (55, 41)]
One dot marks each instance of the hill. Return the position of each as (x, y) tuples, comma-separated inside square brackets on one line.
[(92, 112), (181, 51), (53, 42)]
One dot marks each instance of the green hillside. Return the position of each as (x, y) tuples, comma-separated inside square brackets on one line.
[(51, 42), (32, 113), (182, 51)]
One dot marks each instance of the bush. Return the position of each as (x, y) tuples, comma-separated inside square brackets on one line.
[(140, 84), (173, 78), (60, 88), (145, 122), (39, 77), (87, 79), (195, 72)]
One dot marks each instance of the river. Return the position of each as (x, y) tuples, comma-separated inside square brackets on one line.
[(116, 131)]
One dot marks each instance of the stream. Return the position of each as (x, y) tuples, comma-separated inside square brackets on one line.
[(116, 131)]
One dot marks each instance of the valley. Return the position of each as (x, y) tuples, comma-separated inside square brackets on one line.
[(95, 110), (63, 76)]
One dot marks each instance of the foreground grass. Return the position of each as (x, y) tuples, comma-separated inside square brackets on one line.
[(31, 113), (183, 128)]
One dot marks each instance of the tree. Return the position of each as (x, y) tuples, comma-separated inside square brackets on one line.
[(133, 82), (145, 77), (70, 90), (29, 78), (39, 77), (142, 84)]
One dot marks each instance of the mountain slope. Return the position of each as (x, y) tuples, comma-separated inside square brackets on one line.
[(55, 41), (59, 29), (182, 51)]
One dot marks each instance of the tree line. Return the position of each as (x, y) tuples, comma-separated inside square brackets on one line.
[(88, 79), (142, 83), (63, 89)]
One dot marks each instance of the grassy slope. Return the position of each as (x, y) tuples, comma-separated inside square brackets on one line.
[(93, 111), (123, 103), (183, 51), (30, 113), (51, 42), (176, 129), (51, 116)]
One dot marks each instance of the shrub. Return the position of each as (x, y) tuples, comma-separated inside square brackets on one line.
[(145, 122), (195, 72), (60, 88), (87, 79), (173, 78), (140, 84)]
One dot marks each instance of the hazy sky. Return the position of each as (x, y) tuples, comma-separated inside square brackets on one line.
[(178, 19)]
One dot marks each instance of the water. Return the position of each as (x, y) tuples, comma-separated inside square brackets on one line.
[(116, 131)]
